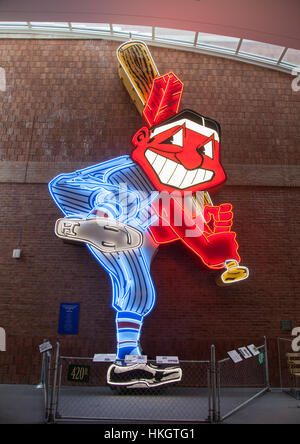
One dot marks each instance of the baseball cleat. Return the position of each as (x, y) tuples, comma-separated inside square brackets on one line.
[(142, 375), (234, 273)]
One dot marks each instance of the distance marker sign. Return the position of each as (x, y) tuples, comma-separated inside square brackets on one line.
[(79, 373)]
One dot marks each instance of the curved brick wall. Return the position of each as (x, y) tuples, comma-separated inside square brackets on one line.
[(64, 107)]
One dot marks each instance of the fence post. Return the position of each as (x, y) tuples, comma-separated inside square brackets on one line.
[(218, 375), (47, 384), (58, 390), (213, 382), (266, 363), (51, 417), (41, 384), (279, 362), (209, 418)]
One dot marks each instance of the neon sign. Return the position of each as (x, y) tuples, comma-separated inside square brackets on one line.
[(164, 99), (181, 153), (124, 208)]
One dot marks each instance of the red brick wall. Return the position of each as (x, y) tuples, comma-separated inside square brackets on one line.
[(65, 102)]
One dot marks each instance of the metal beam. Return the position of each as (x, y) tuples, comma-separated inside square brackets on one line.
[(238, 46), (67, 33), (282, 55), (196, 38)]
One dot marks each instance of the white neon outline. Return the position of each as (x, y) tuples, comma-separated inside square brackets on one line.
[(237, 265), (189, 124), (144, 381)]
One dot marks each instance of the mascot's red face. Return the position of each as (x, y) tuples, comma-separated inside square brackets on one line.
[(181, 154)]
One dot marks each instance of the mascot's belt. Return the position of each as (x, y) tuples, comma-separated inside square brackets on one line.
[(105, 234)]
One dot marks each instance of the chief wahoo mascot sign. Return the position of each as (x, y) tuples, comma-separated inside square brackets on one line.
[(124, 208)]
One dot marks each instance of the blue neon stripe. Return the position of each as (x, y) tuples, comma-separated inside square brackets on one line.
[(143, 290), (150, 281), (131, 302), (65, 199), (129, 315), (125, 162), (142, 283), (70, 194), (124, 351), (128, 330)]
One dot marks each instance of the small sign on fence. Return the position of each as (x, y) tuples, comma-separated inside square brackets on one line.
[(235, 356), (45, 346), (245, 352), (104, 357), (261, 358), (135, 359), (167, 360), (253, 349), (79, 373)]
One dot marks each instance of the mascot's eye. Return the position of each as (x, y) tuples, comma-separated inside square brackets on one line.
[(176, 139), (206, 149)]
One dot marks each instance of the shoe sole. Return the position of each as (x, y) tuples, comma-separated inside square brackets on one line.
[(105, 234)]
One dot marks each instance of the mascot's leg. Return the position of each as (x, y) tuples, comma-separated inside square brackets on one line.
[(133, 298), (133, 295), (133, 304)]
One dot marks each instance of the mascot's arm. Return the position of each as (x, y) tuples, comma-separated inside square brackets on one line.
[(208, 235)]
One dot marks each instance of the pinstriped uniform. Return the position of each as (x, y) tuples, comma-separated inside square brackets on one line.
[(120, 189)]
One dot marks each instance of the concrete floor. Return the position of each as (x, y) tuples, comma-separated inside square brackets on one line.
[(24, 404), (21, 404), (273, 407)]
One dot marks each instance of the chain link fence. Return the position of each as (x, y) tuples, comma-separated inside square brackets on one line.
[(289, 374), (241, 382), (83, 394), (209, 391)]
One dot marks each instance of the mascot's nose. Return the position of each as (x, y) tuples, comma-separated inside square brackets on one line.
[(191, 159)]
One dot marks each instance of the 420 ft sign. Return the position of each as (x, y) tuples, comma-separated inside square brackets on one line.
[(79, 373)]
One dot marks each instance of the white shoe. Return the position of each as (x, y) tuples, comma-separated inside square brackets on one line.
[(142, 375)]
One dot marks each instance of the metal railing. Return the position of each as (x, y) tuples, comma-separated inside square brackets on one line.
[(239, 383), (209, 391), (257, 53)]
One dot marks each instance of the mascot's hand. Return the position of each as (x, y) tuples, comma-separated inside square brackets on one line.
[(219, 218)]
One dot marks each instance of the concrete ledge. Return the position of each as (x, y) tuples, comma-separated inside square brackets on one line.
[(238, 175), (263, 175), (43, 172), (13, 172)]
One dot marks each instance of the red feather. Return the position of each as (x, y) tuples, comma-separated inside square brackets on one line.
[(164, 99)]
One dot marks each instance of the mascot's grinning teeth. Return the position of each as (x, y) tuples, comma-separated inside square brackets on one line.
[(174, 174)]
